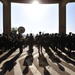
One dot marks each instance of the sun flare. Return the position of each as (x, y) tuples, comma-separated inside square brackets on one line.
[(35, 2), (35, 9)]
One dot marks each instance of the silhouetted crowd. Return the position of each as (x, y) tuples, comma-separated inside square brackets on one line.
[(10, 41), (61, 41)]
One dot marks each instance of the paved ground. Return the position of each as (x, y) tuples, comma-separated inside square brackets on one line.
[(50, 63)]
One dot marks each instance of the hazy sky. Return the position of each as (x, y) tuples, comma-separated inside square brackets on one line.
[(70, 17), (1, 18), (39, 17)]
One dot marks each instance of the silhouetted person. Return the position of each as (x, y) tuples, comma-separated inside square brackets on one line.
[(69, 42), (26, 39), (31, 43), (39, 42), (20, 42)]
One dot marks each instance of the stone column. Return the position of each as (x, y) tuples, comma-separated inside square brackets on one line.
[(6, 18), (62, 18)]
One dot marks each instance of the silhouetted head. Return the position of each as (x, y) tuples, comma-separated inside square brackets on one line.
[(40, 33), (70, 33), (30, 34)]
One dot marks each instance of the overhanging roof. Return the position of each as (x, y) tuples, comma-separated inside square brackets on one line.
[(41, 1), (28, 1)]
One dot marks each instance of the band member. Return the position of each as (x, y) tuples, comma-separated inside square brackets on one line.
[(31, 43), (39, 42)]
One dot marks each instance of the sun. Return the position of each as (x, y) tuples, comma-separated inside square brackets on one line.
[(35, 2), (34, 10)]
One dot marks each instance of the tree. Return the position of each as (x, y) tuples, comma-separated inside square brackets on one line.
[(14, 30)]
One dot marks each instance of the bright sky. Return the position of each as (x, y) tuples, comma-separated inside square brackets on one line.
[(70, 17), (35, 18), (39, 17)]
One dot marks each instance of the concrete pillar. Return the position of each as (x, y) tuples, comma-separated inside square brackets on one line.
[(6, 18), (62, 18)]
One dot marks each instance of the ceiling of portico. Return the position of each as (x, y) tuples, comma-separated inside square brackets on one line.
[(41, 1)]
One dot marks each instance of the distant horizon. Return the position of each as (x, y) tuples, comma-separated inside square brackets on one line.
[(46, 20)]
